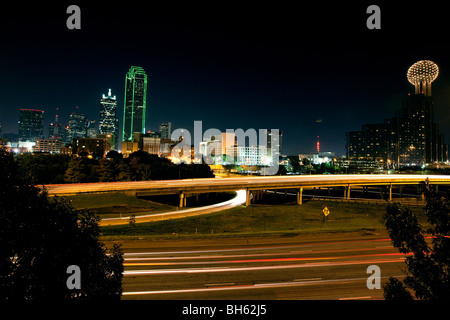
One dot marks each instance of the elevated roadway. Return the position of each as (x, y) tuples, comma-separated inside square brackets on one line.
[(194, 186)]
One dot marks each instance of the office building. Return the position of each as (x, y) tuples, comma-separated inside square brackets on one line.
[(152, 143), (77, 126), (91, 129), (31, 124), (165, 130), (109, 122), (55, 129), (95, 147), (135, 98), (48, 145)]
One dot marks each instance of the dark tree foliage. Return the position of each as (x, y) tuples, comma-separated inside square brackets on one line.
[(41, 237), (427, 264), (77, 171), (44, 168)]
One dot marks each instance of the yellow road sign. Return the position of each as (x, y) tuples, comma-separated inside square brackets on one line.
[(326, 212)]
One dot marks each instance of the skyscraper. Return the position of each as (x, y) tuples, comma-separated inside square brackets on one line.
[(134, 103), (77, 126), (55, 128), (165, 130), (109, 123), (31, 124)]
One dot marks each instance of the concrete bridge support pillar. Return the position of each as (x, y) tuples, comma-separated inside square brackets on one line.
[(182, 199), (347, 192), (299, 196), (390, 192), (247, 198)]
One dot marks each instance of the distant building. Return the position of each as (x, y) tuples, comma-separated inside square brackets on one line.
[(152, 145), (91, 129), (318, 157), (249, 156), (417, 141), (137, 143), (77, 126), (94, 146), (49, 145), (135, 102), (165, 130), (31, 124), (109, 122), (55, 129)]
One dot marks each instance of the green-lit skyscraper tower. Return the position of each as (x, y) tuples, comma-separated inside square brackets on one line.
[(134, 103)]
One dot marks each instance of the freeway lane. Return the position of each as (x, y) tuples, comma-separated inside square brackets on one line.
[(333, 268)]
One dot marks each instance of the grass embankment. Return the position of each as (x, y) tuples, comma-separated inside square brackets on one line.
[(109, 205), (264, 219), (113, 205)]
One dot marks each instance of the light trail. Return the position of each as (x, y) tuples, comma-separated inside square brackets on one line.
[(256, 268), (255, 254), (236, 201), (308, 245), (261, 260), (226, 287)]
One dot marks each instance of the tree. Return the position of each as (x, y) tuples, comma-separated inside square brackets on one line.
[(77, 171), (107, 171), (44, 168), (41, 237), (427, 265)]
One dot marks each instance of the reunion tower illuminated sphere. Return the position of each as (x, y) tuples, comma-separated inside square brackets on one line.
[(421, 74)]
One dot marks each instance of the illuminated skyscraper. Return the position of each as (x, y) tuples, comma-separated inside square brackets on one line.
[(31, 124), (77, 126), (109, 123), (134, 103)]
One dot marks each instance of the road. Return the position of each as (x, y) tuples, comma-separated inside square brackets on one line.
[(234, 184), (303, 267)]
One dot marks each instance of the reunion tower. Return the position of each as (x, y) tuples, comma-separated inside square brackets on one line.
[(421, 74)]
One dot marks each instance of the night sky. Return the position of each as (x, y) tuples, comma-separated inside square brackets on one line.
[(305, 69)]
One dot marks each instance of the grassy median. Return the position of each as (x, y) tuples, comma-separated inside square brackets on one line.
[(264, 219)]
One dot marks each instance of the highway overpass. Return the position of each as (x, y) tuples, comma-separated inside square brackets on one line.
[(189, 187)]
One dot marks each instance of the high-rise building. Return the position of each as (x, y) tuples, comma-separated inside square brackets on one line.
[(415, 130), (77, 126), (165, 130), (31, 124), (91, 129), (355, 145), (134, 103), (109, 122), (55, 129)]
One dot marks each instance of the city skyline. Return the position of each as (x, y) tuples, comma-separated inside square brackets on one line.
[(321, 74)]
